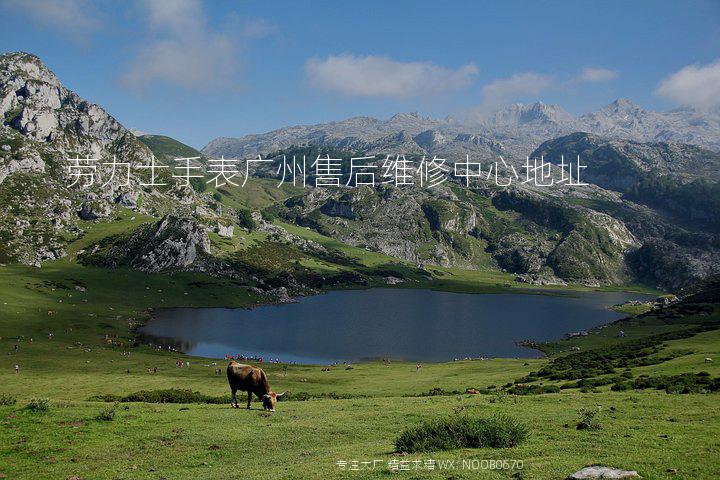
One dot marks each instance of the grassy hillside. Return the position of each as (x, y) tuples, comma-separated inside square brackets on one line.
[(168, 148)]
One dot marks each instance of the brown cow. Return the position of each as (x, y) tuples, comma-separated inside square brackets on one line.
[(251, 380)]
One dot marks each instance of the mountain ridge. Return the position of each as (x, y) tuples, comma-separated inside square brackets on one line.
[(520, 128)]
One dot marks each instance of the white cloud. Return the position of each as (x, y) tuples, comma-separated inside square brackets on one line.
[(183, 49), (695, 85), (591, 74), (521, 84), (372, 76), (74, 19)]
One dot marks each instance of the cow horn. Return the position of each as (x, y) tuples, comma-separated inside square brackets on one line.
[(266, 396)]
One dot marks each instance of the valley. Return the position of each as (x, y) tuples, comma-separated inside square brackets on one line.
[(83, 269)]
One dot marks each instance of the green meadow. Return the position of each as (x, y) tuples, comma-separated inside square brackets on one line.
[(341, 415)]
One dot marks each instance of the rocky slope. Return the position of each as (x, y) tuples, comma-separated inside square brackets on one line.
[(44, 124)]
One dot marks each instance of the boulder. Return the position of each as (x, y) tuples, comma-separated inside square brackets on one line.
[(603, 472), (225, 231), (93, 212), (128, 199)]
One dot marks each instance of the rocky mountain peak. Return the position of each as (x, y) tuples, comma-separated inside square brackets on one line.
[(26, 65), (621, 108), (519, 114), (542, 112), (36, 104)]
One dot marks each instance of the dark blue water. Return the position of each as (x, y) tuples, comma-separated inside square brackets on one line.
[(415, 325)]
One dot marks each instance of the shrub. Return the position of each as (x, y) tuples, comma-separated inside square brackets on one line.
[(198, 184), (588, 419), (533, 389), (621, 387), (439, 392), (268, 216), (301, 396), (604, 361), (245, 220), (304, 396), (682, 383), (7, 399), (107, 414), (38, 405), (462, 432)]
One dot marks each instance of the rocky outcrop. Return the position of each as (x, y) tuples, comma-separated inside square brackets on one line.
[(93, 211), (31, 163), (581, 244), (338, 208), (173, 243), (128, 199), (225, 230)]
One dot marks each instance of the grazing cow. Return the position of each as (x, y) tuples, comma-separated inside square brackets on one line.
[(708, 360), (251, 380)]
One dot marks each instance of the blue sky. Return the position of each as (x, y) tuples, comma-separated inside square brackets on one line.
[(196, 70)]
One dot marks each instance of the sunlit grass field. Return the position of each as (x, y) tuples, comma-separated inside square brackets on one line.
[(661, 436)]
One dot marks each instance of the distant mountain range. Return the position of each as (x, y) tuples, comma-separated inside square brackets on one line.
[(514, 130)]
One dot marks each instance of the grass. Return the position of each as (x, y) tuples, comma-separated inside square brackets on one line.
[(257, 194), (306, 439), (167, 148)]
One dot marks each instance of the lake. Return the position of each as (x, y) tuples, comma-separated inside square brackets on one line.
[(414, 325)]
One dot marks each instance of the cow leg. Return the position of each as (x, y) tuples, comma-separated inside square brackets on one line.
[(233, 401), (249, 399)]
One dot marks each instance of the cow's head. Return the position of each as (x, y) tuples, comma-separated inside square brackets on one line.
[(270, 400)]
